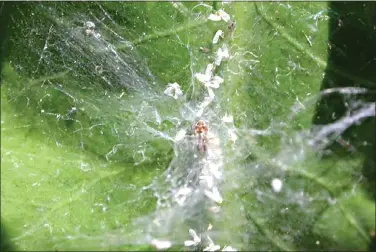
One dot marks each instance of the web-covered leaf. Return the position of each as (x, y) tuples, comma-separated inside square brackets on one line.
[(98, 102)]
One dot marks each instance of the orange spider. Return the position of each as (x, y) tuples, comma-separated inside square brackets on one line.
[(201, 128)]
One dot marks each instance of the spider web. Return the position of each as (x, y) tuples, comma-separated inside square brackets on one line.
[(111, 105)]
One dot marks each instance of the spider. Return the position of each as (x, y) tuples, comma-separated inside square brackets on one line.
[(200, 129)]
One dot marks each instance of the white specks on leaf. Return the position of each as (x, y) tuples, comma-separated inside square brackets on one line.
[(180, 135), (219, 15), (228, 118), (210, 226), (158, 119), (218, 34), (224, 16), (222, 54), (214, 17), (208, 179), (194, 235), (332, 201), (89, 25), (84, 167), (229, 248), (207, 79), (173, 90), (36, 184), (215, 209), (182, 195), (211, 246), (214, 195), (156, 222), (189, 243), (215, 82), (121, 95), (309, 39), (233, 136), (196, 239), (209, 70), (99, 69), (277, 185), (160, 244), (202, 77)]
